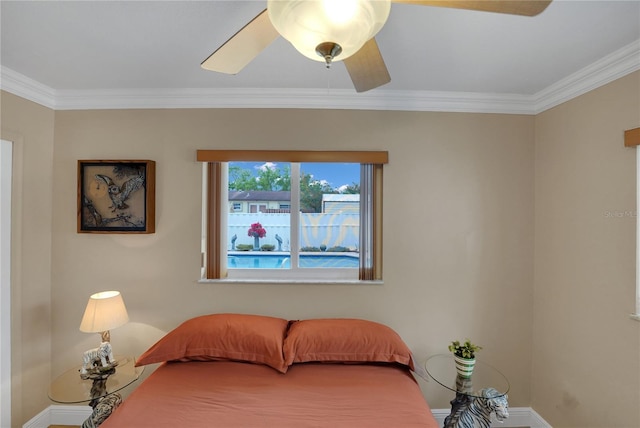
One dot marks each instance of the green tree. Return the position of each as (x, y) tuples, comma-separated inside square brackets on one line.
[(241, 179), (284, 181), (311, 192), (272, 178), (351, 189), (269, 178)]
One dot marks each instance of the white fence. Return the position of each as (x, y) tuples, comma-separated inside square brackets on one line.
[(316, 229)]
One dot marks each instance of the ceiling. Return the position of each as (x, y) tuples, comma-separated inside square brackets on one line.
[(97, 54)]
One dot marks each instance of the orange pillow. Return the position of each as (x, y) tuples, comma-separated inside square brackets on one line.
[(344, 340), (250, 338)]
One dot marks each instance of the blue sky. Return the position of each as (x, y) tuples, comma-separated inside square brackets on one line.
[(337, 174)]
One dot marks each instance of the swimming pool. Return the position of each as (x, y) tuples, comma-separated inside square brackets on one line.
[(283, 261)]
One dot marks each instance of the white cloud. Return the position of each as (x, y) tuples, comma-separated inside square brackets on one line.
[(267, 166)]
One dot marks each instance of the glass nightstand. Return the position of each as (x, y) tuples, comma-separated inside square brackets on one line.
[(478, 396), (100, 389)]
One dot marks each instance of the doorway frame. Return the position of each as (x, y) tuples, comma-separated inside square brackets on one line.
[(6, 174)]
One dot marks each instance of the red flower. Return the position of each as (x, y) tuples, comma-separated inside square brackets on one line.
[(257, 231)]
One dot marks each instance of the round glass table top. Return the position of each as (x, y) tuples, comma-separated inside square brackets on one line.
[(69, 387), (442, 369)]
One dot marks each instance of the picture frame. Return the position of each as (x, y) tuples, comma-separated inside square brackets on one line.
[(116, 196)]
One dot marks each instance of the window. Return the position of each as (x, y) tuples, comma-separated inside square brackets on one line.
[(316, 232), (237, 206)]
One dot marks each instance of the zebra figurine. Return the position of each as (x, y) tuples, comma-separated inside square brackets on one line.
[(101, 353), (477, 411), (102, 410)]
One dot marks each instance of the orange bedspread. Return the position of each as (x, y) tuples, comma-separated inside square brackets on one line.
[(230, 394)]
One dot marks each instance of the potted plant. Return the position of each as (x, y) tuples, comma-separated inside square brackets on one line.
[(464, 355)]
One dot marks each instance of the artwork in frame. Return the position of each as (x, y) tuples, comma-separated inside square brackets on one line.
[(116, 196)]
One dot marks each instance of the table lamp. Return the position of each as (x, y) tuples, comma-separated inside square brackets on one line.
[(104, 311)]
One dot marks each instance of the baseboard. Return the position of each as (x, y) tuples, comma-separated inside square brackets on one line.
[(59, 415), (537, 420), (518, 417), (75, 415)]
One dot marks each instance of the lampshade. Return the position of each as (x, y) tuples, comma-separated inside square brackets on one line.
[(105, 311), (310, 23)]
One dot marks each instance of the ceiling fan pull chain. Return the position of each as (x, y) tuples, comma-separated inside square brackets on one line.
[(328, 80)]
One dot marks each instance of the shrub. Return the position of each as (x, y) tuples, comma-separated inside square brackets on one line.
[(310, 249), (338, 249), (244, 247), (267, 247)]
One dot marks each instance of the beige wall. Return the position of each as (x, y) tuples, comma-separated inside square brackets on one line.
[(459, 251), (458, 254), (586, 370), (30, 127)]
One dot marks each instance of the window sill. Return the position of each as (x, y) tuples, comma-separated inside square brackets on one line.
[(635, 317), (291, 281)]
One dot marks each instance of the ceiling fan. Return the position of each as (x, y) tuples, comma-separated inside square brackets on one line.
[(335, 30)]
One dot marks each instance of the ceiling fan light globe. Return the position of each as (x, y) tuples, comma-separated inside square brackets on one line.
[(308, 23)]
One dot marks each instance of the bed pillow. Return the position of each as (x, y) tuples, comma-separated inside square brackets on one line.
[(249, 338), (346, 341)]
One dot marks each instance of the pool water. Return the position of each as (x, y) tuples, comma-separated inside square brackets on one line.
[(282, 261)]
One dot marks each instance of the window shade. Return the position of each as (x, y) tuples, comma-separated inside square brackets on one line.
[(370, 222)]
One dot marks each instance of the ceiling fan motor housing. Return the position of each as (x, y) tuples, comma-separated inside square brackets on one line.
[(328, 51), (311, 26)]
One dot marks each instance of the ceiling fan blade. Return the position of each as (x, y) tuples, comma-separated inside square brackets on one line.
[(243, 46), (513, 7), (367, 68)]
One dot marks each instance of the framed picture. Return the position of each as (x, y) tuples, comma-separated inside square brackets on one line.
[(116, 196)]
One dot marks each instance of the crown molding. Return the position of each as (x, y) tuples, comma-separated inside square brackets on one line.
[(295, 98), (26, 88), (618, 64), (613, 66), (340, 99)]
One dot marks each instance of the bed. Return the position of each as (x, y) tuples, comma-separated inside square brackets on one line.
[(234, 370)]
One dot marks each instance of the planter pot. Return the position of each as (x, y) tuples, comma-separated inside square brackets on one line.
[(464, 366)]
